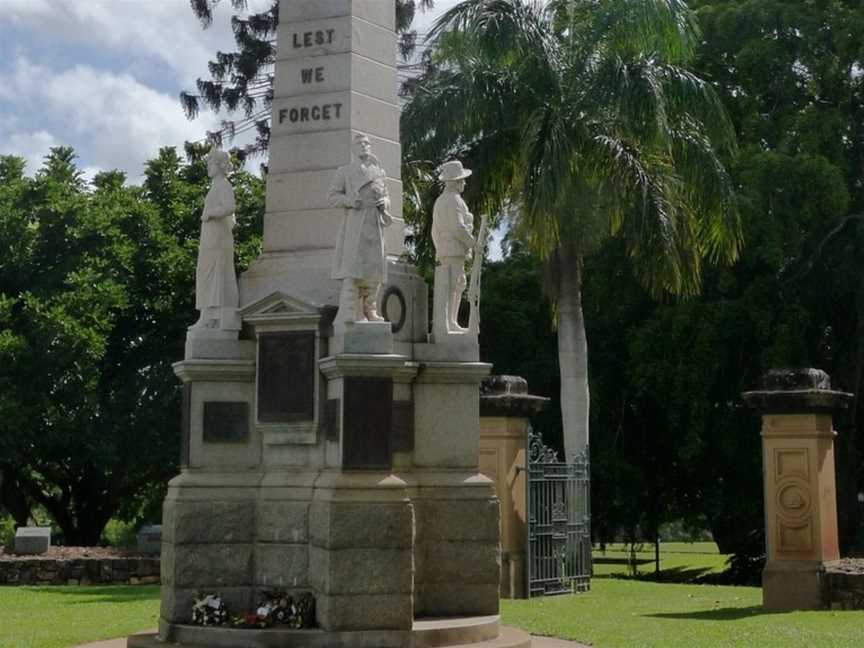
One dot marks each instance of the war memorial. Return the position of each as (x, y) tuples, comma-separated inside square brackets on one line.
[(331, 440)]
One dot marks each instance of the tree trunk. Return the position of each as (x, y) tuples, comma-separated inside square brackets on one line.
[(12, 498), (572, 352)]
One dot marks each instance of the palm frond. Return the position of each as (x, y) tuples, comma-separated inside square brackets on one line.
[(666, 29)]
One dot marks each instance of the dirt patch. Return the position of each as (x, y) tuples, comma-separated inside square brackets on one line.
[(73, 553)]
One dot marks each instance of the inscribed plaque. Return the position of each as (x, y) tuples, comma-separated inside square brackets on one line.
[(367, 417), (286, 377)]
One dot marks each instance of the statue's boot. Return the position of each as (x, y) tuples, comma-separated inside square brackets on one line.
[(370, 303), (453, 322), (360, 304), (370, 309), (210, 318), (349, 302)]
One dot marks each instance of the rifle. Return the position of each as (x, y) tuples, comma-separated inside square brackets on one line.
[(474, 285)]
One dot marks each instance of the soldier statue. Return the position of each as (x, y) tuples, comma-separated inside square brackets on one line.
[(359, 260), (452, 234)]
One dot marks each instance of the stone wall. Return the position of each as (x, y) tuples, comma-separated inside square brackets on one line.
[(844, 586), (79, 571)]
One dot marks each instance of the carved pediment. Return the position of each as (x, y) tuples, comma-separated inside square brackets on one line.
[(280, 307)]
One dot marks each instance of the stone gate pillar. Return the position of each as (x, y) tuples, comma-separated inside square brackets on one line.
[(800, 495), (505, 408)]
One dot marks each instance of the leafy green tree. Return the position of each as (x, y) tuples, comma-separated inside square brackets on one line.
[(243, 80), (95, 296), (788, 74), (587, 117), (517, 335)]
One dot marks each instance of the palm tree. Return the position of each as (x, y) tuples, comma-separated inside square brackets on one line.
[(583, 114)]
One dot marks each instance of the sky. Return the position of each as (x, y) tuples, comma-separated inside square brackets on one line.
[(104, 76)]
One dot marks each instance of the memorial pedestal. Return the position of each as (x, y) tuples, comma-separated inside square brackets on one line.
[(361, 552), (458, 552), (338, 463)]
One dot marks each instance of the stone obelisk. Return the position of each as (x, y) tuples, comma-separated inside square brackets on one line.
[(335, 78)]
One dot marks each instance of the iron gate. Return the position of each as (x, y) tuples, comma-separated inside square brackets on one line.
[(559, 521)]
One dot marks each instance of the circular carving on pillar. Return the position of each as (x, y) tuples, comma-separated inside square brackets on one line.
[(393, 307), (793, 500)]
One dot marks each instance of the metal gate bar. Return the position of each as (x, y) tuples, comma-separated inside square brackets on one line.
[(559, 521)]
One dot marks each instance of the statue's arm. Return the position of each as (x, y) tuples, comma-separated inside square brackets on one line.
[(219, 203), (384, 201), (338, 193), (462, 229)]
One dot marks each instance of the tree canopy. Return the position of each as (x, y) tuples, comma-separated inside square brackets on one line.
[(96, 290)]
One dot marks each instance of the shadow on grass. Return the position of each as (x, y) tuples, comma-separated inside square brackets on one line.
[(620, 561), (687, 575), (720, 614), (102, 594)]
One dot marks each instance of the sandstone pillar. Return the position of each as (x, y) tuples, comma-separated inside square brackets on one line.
[(800, 495), (505, 407)]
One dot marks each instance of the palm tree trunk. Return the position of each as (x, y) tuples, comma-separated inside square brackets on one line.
[(572, 352)]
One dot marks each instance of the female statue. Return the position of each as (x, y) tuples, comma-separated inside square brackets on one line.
[(216, 293)]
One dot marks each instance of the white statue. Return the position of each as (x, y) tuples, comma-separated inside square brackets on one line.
[(216, 293), (453, 235), (359, 260)]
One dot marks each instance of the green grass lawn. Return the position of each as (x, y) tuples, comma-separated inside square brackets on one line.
[(620, 613), (616, 613), (679, 561), (60, 617)]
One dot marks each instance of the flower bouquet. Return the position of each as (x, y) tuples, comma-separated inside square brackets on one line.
[(280, 608), (208, 609)]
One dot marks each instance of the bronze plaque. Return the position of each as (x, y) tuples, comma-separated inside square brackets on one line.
[(226, 422), (185, 424), (367, 417), (286, 377), (403, 426)]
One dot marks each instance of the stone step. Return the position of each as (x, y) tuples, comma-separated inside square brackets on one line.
[(508, 638), (454, 631)]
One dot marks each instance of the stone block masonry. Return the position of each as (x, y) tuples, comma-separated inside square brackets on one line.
[(79, 571)]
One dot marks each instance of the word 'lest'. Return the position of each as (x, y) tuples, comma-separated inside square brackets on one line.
[(313, 38)]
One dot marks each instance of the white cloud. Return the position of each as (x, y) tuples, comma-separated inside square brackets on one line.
[(32, 146), (97, 98), (120, 122), (166, 30), (424, 20)]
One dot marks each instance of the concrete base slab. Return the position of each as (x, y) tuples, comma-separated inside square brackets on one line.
[(31, 541), (508, 638), (465, 632)]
